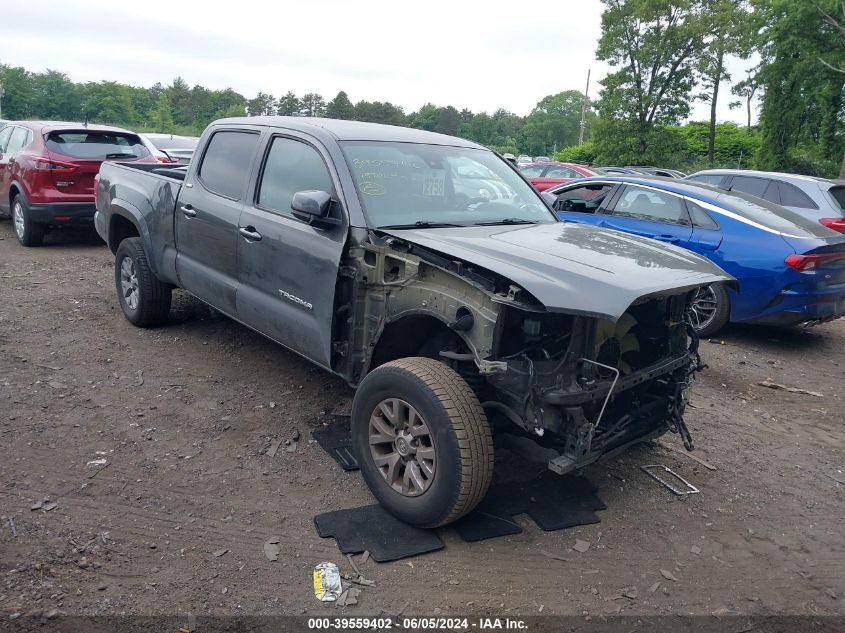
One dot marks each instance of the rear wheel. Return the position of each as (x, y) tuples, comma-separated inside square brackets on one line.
[(144, 299), (29, 233), (710, 309), (422, 441)]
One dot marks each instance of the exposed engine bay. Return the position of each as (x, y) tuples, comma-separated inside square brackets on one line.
[(581, 385)]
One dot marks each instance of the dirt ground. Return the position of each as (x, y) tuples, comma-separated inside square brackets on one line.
[(184, 415)]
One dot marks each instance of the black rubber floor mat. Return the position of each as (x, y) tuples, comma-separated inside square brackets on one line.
[(337, 442), (552, 501), (373, 529), (480, 525)]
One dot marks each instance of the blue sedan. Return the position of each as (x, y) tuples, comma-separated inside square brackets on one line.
[(790, 269)]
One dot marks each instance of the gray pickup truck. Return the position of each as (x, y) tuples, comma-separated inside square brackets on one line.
[(427, 273)]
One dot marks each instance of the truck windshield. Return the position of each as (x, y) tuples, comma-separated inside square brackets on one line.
[(413, 184)]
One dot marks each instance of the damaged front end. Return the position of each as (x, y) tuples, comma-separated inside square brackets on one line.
[(580, 337), (595, 385)]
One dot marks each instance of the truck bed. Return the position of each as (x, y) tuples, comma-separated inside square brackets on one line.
[(146, 196), (174, 173)]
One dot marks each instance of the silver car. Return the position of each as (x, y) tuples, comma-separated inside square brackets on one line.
[(171, 148), (817, 198)]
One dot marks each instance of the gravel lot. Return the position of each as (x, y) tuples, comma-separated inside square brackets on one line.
[(183, 416)]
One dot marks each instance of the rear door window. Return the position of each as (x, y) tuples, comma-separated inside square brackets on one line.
[(792, 196), (4, 138), (19, 139), (838, 194), (708, 179), (650, 205), (96, 145), (291, 166), (533, 171), (772, 216), (559, 171), (747, 184), (225, 164), (700, 218)]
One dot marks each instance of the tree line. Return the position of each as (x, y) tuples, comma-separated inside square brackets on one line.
[(664, 55)]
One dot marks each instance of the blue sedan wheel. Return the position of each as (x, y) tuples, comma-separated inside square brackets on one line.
[(710, 309)]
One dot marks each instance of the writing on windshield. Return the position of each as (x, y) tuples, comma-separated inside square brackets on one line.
[(417, 184)]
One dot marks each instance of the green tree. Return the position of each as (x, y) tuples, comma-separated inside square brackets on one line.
[(18, 93), (108, 102), (288, 104), (801, 115), (179, 95), (54, 96), (262, 104), (655, 45), (162, 117), (553, 123), (313, 104), (340, 107), (380, 112), (731, 29)]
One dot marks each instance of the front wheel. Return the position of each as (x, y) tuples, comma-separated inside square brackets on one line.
[(422, 441), (144, 299), (710, 309)]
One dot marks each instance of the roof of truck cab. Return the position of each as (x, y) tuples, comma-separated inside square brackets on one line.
[(338, 130)]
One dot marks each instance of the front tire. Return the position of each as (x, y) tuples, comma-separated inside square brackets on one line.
[(144, 299), (422, 441), (29, 233), (711, 309)]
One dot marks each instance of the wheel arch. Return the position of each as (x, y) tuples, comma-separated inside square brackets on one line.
[(125, 221), (406, 334)]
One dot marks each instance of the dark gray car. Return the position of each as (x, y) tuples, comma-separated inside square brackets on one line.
[(817, 198), (362, 248)]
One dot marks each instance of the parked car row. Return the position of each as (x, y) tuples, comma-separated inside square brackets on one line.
[(48, 169)]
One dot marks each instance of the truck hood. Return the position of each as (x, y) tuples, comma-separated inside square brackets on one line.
[(573, 268)]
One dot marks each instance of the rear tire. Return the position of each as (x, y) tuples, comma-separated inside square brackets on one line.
[(144, 299), (711, 308), (29, 233), (448, 456)]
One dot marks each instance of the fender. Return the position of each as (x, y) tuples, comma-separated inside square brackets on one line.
[(122, 208), (7, 202)]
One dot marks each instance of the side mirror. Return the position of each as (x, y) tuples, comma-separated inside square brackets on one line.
[(550, 198), (313, 207)]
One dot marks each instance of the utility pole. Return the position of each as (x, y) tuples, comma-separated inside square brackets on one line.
[(584, 103), (1, 101)]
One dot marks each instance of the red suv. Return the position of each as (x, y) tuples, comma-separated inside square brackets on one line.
[(47, 172)]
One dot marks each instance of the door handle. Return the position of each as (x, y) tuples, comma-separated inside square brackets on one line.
[(250, 233), (668, 238), (188, 210)]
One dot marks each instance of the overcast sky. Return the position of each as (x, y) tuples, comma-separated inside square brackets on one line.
[(480, 55)]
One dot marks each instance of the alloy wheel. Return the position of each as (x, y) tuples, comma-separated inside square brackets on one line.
[(17, 216), (129, 283), (703, 307), (402, 447)]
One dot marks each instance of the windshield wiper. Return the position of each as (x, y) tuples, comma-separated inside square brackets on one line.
[(121, 155), (506, 221), (422, 224)]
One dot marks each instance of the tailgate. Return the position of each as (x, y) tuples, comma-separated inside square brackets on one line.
[(74, 177)]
